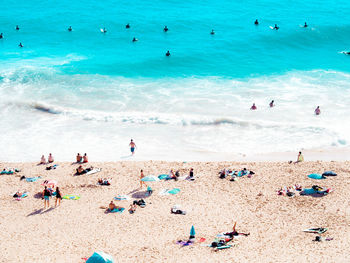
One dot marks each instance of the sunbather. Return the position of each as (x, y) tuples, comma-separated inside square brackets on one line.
[(50, 158), (235, 233), (85, 158), (79, 158), (132, 208), (43, 160)]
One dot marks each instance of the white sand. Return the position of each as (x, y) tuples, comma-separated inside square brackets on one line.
[(78, 228)]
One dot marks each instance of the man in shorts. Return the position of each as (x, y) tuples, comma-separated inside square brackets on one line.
[(132, 147)]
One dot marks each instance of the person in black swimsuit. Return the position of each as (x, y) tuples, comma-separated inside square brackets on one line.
[(46, 194), (58, 196)]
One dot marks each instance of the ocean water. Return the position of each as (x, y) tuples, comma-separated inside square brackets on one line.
[(85, 91)]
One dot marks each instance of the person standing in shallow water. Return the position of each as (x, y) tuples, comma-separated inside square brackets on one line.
[(317, 110), (132, 147), (272, 104), (167, 53)]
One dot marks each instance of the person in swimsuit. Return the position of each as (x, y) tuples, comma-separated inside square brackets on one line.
[(43, 160), (317, 110), (256, 22), (17, 27), (132, 147), (134, 39), (272, 104), (191, 173), (79, 158), (165, 29), (20, 44), (276, 27), (212, 32), (235, 233), (1, 35), (50, 158), (142, 182), (300, 158), (305, 25), (70, 29), (85, 158), (253, 107), (58, 196), (46, 194), (127, 25), (167, 53)]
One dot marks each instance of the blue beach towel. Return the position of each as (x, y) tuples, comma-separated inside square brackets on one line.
[(32, 179), (162, 176), (316, 176)]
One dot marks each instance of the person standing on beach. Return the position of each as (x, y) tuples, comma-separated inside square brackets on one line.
[(132, 147), (58, 196), (142, 182), (46, 194)]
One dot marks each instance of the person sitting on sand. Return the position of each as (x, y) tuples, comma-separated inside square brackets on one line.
[(58, 196), (132, 208), (317, 110), (235, 233), (18, 194), (85, 158), (112, 206), (50, 158), (300, 158), (43, 160), (79, 158), (253, 107), (172, 175), (191, 173)]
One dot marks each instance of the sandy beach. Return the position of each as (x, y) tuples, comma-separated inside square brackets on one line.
[(77, 228)]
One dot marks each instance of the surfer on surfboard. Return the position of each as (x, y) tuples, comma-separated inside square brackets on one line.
[(276, 27), (103, 30)]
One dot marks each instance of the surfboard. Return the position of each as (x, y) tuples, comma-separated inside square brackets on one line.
[(103, 30), (319, 230)]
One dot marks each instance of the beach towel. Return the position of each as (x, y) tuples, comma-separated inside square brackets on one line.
[(162, 176), (312, 191), (242, 173), (168, 192), (71, 197), (93, 171), (122, 197), (329, 173), (116, 210), (316, 176), (6, 172), (318, 230), (32, 179)]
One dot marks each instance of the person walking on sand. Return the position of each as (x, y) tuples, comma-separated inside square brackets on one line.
[(132, 147), (58, 197), (142, 182), (46, 194)]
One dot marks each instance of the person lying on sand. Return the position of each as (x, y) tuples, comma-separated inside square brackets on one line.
[(132, 208), (80, 170), (235, 233), (104, 181)]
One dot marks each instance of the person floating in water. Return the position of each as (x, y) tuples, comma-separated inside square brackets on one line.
[(276, 27), (134, 39), (104, 30), (253, 107), (17, 27), (165, 29), (317, 110), (70, 29), (167, 53), (272, 104), (305, 25), (212, 32), (20, 44), (256, 22), (127, 26), (1, 35), (132, 147)]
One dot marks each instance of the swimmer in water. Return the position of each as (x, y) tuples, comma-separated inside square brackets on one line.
[(1, 35), (317, 110), (253, 107), (20, 44), (165, 29), (212, 32), (272, 104), (70, 29), (167, 53), (134, 39), (305, 25), (256, 22), (104, 30), (276, 27), (17, 27), (127, 25)]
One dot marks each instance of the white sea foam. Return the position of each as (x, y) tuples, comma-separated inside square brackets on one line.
[(44, 110)]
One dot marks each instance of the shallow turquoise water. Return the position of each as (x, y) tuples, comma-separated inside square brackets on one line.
[(104, 87)]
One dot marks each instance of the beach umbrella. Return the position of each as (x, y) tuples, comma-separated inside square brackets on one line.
[(100, 257), (50, 183), (150, 178), (192, 232)]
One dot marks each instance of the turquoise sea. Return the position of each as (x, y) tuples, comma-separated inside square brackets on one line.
[(87, 91)]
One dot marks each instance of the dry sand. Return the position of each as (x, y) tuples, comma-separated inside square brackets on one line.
[(76, 229)]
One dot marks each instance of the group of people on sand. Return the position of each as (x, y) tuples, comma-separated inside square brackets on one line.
[(83, 159), (48, 192), (272, 104), (50, 159)]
